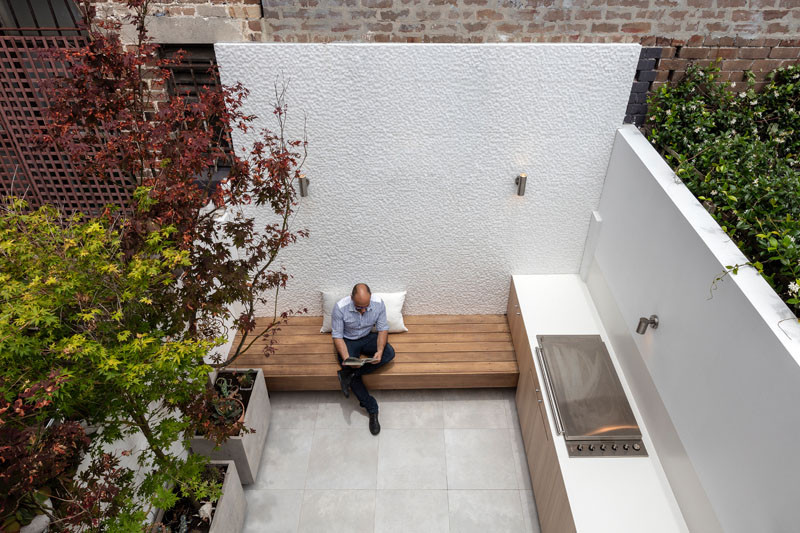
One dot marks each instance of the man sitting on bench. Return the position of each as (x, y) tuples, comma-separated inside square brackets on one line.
[(352, 319)]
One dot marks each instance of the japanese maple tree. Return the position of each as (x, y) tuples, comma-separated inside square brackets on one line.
[(39, 457), (111, 119)]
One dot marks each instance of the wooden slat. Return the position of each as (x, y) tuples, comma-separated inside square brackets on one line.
[(398, 368), (396, 338), (454, 319), (412, 328), (408, 319), (407, 347), (393, 382), (408, 357)]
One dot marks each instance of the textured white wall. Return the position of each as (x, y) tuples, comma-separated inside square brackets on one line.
[(413, 151), (727, 367)]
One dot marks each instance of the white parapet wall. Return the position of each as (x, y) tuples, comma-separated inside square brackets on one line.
[(719, 381), (412, 155)]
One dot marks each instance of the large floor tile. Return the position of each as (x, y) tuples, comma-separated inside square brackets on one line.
[(297, 410), (510, 402), (284, 462), (412, 459), (276, 511), (479, 459), (475, 409), (338, 511), (343, 459), (411, 511), (529, 513), (401, 409), (520, 459), (336, 411), (481, 511)]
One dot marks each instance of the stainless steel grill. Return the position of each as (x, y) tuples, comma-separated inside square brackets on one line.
[(587, 398)]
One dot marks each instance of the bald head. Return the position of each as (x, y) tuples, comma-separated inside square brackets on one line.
[(361, 295)]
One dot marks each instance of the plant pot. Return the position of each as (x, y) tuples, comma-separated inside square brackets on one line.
[(244, 450), (231, 508), (40, 523), (253, 375), (236, 401)]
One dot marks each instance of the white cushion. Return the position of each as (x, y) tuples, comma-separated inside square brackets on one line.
[(394, 306), (329, 299)]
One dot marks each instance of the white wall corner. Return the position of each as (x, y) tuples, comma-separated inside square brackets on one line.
[(595, 221), (728, 376)]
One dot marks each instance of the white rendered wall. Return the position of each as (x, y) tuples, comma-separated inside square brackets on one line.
[(725, 369), (413, 151)]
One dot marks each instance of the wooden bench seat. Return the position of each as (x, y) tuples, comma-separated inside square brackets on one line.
[(438, 351)]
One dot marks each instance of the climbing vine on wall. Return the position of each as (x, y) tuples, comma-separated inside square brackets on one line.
[(739, 153)]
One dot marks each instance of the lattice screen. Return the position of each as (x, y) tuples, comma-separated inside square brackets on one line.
[(42, 172)]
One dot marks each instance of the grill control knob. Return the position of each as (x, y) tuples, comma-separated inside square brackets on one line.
[(603, 447), (614, 447), (637, 447), (580, 447), (591, 447), (625, 446)]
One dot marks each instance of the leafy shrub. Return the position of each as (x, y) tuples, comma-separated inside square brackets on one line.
[(39, 459), (33, 452), (71, 300), (740, 155)]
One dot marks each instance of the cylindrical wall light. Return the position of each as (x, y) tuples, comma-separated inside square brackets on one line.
[(520, 182), (644, 322), (303, 181)]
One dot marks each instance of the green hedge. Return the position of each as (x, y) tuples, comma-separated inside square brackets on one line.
[(739, 154)]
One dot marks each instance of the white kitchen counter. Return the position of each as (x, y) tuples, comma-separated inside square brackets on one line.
[(606, 494)]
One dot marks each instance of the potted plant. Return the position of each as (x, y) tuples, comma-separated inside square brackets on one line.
[(215, 504), (244, 438), (226, 405), (246, 380)]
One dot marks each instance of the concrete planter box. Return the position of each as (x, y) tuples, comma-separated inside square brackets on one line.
[(244, 450), (231, 508)]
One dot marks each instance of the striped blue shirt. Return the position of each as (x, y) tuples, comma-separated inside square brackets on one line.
[(348, 323)]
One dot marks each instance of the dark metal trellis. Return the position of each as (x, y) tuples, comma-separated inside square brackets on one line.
[(42, 174)]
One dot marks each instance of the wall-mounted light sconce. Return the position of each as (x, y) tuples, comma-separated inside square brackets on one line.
[(303, 181), (644, 322), (520, 181)]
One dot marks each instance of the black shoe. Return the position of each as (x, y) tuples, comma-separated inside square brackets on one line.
[(344, 381), (374, 425)]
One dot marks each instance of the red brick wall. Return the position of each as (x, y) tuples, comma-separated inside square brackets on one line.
[(733, 55), (496, 20), (526, 20), (757, 35)]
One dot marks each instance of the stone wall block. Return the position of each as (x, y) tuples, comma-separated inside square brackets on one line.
[(753, 53), (784, 53)]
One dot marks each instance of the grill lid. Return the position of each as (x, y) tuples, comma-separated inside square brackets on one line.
[(587, 390)]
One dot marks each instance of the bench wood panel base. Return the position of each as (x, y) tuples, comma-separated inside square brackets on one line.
[(438, 351)]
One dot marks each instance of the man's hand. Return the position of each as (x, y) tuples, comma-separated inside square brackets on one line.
[(382, 337)]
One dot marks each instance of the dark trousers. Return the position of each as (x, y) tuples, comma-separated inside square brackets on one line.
[(366, 345)]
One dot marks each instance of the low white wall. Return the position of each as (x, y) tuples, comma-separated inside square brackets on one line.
[(413, 151), (720, 376)]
